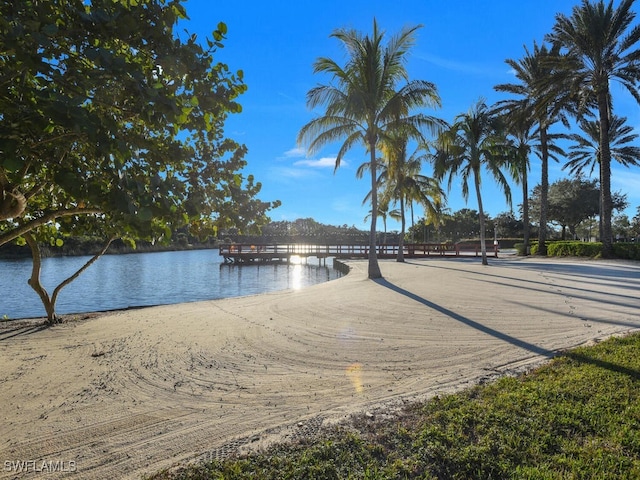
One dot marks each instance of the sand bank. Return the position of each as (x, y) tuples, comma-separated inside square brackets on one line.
[(128, 393)]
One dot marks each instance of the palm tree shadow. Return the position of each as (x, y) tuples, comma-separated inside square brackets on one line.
[(467, 321), (613, 367)]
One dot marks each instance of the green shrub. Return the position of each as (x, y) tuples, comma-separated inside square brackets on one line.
[(629, 251), (520, 248), (574, 249)]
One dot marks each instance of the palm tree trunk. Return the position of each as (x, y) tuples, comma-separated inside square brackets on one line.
[(483, 246), (374, 268), (544, 193), (525, 211), (600, 203), (413, 224), (605, 175), (403, 222), (384, 223)]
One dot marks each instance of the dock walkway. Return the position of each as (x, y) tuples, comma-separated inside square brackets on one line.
[(246, 253)]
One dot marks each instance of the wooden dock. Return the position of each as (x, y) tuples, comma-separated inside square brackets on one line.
[(246, 253)]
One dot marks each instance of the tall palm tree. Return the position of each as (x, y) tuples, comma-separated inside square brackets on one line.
[(533, 102), (472, 143), (524, 137), (600, 46), (585, 153), (404, 183), (521, 132), (365, 101)]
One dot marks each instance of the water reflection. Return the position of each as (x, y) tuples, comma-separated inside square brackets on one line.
[(270, 276), (141, 279)]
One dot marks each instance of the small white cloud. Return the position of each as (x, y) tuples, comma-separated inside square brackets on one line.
[(325, 162), (286, 173), (295, 153)]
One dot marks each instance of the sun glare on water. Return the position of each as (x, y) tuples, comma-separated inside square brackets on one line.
[(296, 272)]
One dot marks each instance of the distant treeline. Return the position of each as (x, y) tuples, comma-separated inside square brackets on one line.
[(88, 246), (306, 230), (298, 231), (303, 230)]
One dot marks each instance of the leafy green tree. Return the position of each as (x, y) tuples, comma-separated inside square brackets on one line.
[(461, 224), (635, 225), (572, 201), (508, 226), (533, 104), (622, 228), (474, 142), (112, 125), (600, 46), (366, 101)]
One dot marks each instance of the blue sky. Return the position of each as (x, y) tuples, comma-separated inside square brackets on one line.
[(461, 48)]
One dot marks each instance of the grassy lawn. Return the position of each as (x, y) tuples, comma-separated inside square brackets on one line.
[(577, 417)]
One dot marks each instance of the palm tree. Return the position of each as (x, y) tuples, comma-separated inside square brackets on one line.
[(533, 102), (438, 218), (383, 210), (585, 152), (471, 143), (364, 102), (524, 137), (403, 182), (522, 134), (600, 46)]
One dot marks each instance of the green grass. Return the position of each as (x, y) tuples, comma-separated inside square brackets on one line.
[(577, 417)]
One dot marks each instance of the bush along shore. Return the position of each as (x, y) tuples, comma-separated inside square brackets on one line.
[(574, 248), (576, 417)]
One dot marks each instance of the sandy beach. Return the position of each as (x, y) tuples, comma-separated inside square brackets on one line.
[(128, 393)]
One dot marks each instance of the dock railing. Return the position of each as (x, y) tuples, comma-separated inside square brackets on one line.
[(283, 252)]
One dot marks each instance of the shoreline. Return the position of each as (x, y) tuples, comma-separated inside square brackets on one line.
[(205, 378)]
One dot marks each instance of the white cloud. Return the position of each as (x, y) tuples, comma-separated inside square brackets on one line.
[(287, 173), (296, 152), (325, 162)]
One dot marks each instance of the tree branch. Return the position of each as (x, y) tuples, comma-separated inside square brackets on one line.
[(47, 217), (66, 282)]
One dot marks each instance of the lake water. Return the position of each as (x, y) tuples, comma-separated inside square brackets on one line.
[(143, 279)]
